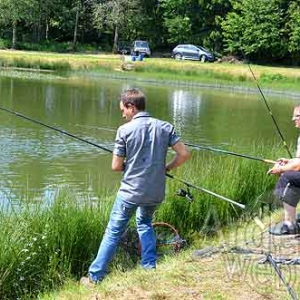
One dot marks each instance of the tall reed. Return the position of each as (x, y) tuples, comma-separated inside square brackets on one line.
[(42, 246)]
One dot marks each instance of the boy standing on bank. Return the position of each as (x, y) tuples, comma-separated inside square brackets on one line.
[(143, 141)]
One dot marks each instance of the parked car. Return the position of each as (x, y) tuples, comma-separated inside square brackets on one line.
[(193, 52), (141, 47), (124, 47)]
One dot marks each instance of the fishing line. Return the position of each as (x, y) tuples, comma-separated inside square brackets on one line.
[(110, 151)]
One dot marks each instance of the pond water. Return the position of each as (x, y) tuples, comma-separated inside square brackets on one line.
[(36, 162)]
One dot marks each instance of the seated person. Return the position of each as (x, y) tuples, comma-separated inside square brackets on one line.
[(288, 187)]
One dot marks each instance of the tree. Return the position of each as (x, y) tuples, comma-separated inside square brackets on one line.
[(254, 28), (148, 23), (77, 11), (233, 29), (293, 30), (195, 21), (114, 14), (212, 13), (177, 21), (14, 11), (179, 29), (43, 12)]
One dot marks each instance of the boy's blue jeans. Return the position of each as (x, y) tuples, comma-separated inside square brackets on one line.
[(120, 215)]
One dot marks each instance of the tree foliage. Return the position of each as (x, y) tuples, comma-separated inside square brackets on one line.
[(293, 30), (254, 28), (176, 20), (12, 12), (113, 15), (265, 30)]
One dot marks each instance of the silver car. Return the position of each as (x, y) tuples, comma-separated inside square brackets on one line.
[(141, 47), (193, 52)]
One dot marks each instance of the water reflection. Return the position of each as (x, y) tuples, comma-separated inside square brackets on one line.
[(50, 100), (35, 161), (186, 108)]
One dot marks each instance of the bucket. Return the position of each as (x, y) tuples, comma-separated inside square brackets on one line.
[(133, 58)]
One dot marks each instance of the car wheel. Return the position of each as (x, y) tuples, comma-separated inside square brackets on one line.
[(177, 56), (202, 58)]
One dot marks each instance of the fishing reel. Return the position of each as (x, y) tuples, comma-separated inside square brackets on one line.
[(185, 194)]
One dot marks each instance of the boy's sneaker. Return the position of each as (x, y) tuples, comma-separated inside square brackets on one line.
[(87, 282)]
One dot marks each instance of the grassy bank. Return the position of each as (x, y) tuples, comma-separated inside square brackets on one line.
[(42, 247), (219, 276), (158, 69)]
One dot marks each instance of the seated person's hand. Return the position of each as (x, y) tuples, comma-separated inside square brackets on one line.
[(283, 165), (276, 169), (283, 161)]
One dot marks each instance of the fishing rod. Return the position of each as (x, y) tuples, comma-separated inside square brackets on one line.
[(54, 128), (269, 161), (270, 112), (110, 151), (206, 191)]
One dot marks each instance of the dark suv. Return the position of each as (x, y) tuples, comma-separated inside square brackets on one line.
[(124, 47), (192, 52)]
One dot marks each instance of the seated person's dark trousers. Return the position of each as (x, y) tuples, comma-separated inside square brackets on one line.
[(288, 187)]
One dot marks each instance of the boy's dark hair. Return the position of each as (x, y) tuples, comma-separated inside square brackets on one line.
[(134, 97)]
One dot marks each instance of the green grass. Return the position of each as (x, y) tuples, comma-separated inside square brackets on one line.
[(42, 247), (158, 69), (241, 180), (219, 276)]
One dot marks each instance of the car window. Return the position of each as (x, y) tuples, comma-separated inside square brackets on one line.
[(203, 49), (141, 44), (193, 48)]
